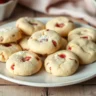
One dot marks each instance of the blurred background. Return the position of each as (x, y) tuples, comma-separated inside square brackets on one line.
[(78, 9)]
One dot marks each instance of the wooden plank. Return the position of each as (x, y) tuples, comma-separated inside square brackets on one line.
[(89, 82), (5, 82), (73, 91), (21, 91), (89, 90)]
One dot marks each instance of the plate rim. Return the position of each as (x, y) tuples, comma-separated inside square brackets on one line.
[(46, 84)]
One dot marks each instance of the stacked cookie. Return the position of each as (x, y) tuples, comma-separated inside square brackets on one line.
[(25, 62), (8, 42), (82, 42), (62, 56)]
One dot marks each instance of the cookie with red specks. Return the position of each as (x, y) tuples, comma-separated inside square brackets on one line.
[(84, 49), (82, 32), (45, 42), (9, 34), (62, 25), (7, 50), (61, 63), (24, 63), (24, 43), (29, 25)]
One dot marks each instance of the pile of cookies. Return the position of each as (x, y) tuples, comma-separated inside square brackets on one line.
[(22, 46)]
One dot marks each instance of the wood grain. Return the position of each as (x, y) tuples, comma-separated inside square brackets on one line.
[(73, 91), (21, 91)]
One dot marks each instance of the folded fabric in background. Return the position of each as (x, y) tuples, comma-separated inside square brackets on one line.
[(84, 9)]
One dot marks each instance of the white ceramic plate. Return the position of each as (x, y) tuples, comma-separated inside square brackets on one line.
[(43, 79)]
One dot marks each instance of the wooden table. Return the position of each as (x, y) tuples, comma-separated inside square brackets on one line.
[(10, 89)]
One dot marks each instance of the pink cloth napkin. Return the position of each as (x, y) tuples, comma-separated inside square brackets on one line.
[(84, 9)]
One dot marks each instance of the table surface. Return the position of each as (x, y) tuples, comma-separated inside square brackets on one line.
[(87, 88)]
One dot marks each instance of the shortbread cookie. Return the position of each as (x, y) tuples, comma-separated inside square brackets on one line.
[(86, 33), (84, 49), (24, 43), (64, 44), (29, 25), (61, 63), (9, 34), (45, 42), (7, 50), (24, 63), (61, 25)]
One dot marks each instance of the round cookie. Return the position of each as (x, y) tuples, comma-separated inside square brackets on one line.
[(61, 25), (61, 63), (7, 50), (9, 34), (64, 44), (29, 25), (86, 33), (24, 43), (45, 42), (84, 49), (23, 63)]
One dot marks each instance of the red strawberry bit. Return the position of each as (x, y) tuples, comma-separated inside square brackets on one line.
[(69, 48), (7, 45), (1, 38), (85, 37), (37, 58), (50, 68), (59, 25), (2, 1), (54, 43), (73, 59), (62, 56), (12, 67), (26, 58)]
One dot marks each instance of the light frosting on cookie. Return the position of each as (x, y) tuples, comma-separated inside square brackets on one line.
[(45, 42), (9, 34)]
